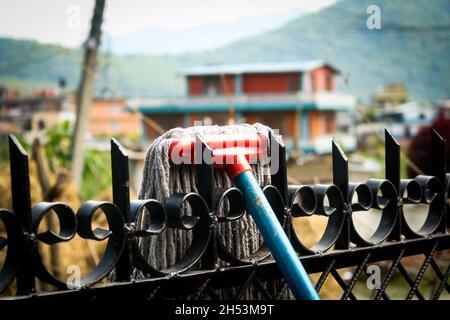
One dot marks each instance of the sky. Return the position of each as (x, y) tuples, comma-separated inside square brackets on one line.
[(67, 22)]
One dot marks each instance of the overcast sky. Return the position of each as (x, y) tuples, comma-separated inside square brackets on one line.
[(67, 21)]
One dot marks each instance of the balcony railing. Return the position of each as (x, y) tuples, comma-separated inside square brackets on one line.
[(321, 99)]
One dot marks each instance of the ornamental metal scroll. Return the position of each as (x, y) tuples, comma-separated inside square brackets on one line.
[(210, 209)]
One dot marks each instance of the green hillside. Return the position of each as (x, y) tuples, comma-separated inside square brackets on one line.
[(29, 64), (412, 47)]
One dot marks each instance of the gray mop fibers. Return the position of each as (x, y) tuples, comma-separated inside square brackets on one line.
[(162, 179)]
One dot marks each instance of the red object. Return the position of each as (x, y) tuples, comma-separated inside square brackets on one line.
[(419, 148), (270, 83), (322, 79), (234, 152), (195, 85)]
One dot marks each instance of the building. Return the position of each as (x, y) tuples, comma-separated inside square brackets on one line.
[(404, 121), (298, 98), (33, 114), (20, 111), (390, 95), (43, 109), (109, 117)]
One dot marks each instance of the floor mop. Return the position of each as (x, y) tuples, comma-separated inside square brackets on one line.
[(161, 179)]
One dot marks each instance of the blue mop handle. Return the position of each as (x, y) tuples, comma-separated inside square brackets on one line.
[(275, 237)]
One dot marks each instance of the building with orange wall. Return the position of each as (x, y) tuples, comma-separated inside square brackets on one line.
[(297, 98), (109, 117), (44, 109)]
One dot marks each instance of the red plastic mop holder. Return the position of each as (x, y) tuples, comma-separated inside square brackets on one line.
[(234, 152)]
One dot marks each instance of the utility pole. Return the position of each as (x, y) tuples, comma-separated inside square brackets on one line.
[(296, 150), (85, 92)]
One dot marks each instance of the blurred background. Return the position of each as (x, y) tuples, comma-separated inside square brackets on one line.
[(75, 73)]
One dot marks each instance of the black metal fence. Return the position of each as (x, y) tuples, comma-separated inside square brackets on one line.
[(341, 245)]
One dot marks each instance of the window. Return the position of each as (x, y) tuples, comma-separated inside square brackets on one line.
[(329, 122), (114, 126), (212, 86), (207, 121), (114, 109), (41, 124), (313, 82), (328, 81), (294, 83)]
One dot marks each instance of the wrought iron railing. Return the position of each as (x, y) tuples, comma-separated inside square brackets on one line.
[(341, 246)]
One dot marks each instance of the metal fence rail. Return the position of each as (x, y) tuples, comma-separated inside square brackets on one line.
[(341, 245)]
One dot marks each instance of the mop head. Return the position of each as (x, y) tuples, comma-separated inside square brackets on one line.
[(161, 179)]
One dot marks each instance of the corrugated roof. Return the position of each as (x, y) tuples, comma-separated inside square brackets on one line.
[(294, 66)]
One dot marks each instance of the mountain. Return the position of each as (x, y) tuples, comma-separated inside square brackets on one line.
[(411, 47), (161, 40), (28, 64)]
